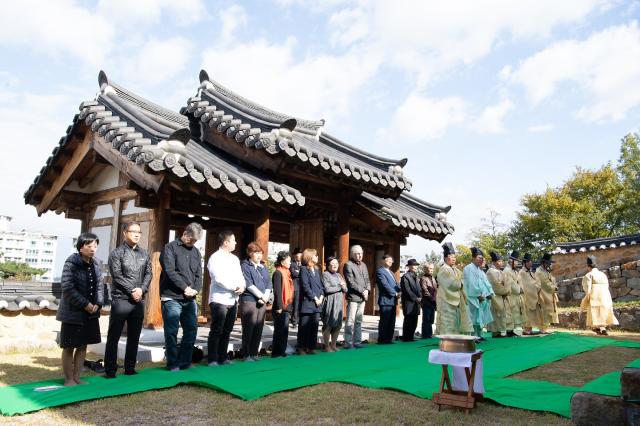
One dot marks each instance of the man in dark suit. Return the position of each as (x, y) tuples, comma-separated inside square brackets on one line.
[(388, 292), (296, 264), (411, 298)]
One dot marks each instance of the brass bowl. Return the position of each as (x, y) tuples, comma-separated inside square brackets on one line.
[(457, 343)]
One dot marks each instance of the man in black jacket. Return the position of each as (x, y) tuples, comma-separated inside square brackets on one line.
[(130, 269), (180, 283), (296, 264), (411, 298)]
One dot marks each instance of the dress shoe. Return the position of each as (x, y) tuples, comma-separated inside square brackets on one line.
[(130, 372)]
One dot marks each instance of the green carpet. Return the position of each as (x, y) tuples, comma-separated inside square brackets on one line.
[(402, 367)]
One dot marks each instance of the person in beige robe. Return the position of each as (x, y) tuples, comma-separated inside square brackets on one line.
[(532, 299), (451, 301), (597, 299), (516, 296), (502, 324), (549, 291)]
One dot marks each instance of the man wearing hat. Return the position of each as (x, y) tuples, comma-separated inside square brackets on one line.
[(516, 295), (479, 292), (500, 305), (532, 299), (548, 293), (411, 298), (597, 299), (451, 300)]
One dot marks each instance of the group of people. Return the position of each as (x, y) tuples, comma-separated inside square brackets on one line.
[(512, 296), (502, 299)]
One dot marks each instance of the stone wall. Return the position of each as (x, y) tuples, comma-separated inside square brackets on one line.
[(624, 284), (628, 317), (571, 265)]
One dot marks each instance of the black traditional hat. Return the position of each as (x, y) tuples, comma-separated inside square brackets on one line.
[(296, 251), (527, 257), (475, 251), (495, 256), (448, 249), (546, 258), (515, 255), (412, 262), (592, 261)]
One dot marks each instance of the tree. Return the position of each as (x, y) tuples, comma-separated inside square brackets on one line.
[(492, 235), (19, 271), (629, 171)]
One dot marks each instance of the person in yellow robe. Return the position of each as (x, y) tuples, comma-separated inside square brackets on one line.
[(597, 299), (549, 292), (502, 324), (516, 295), (451, 300), (532, 300)]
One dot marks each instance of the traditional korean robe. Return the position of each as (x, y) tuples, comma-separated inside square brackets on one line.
[(500, 303), (532, 299), (597, 300), (476, 285), (451, 302), (548, 295), (516, 297)]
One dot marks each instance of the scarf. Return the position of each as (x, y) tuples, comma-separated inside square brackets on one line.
[(287, 286)]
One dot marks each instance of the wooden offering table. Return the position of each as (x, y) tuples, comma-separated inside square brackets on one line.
[(466, 387)]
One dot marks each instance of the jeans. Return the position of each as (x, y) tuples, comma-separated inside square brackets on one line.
[(222, 319), (280, 333), (353, 325), (386, 324), (428, 316), (132, 313), (252, 317), (176, 313)]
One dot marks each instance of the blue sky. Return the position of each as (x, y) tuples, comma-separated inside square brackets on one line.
[(488, 99)]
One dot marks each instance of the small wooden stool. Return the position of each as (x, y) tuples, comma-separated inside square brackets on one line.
[(456, 398)]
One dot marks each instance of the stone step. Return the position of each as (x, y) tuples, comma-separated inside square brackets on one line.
[(630, 384)]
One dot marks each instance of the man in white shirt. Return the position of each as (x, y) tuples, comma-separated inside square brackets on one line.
[(227, 283)]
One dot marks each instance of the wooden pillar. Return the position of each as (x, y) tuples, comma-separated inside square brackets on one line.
[(116, 205), (210, 246), (343, 242), (262, 232), (158, 237)]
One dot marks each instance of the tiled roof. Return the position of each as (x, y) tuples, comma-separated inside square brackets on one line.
[(31, 296), (302, 141), (597, 244), (411, 214)]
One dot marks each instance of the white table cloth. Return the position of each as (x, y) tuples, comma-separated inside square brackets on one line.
[(458, 361)]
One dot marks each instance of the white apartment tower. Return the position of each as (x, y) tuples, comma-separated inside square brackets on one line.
[(34, 248)]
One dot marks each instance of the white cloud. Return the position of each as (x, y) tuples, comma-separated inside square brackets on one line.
[(131, 14), (232, 18), (420, 118), (156, 61), (491, 119), (427, 38), (605, 67), (540, 128)]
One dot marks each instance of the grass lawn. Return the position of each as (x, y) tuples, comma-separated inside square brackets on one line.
[(329, 403)]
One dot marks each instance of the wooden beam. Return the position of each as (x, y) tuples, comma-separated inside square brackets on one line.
[(376, 238), (108, 195), (262, 232), (366, 216), (81, 151), (135, 172), (94, 171), (136, 217), (261, 160)]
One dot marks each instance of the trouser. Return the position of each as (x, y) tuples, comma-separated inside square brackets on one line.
[(353, 325), (131, 313), (280, 333), (308, 330), (428, 315), (409, 325), (295, 309), (177, 313), (252, 317), (222, 319), (386, 324)]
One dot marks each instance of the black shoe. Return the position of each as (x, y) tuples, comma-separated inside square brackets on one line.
[(130, 372), (110, 375)]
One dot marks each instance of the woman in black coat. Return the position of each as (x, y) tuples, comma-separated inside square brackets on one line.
[(82, 297), (311, 303)]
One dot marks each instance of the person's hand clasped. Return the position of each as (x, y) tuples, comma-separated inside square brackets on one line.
[(136, 294), (91, 308)]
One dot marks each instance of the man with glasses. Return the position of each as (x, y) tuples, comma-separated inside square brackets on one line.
[(130, 269), (180, 283), (356, 275)]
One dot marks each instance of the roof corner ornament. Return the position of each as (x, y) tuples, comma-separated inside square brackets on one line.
[(205, 81), (176, 142), (441, 217), (105, 86)]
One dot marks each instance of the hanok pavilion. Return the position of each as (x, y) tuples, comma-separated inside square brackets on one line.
[(226, 162)]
